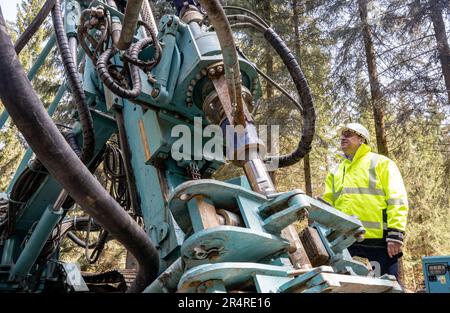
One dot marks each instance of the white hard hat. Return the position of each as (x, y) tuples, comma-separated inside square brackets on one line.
[(357, 128)]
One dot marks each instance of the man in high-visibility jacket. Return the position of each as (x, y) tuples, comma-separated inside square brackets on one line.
[(370, 186)]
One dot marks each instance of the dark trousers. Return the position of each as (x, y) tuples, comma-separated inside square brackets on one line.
[(379, 258)]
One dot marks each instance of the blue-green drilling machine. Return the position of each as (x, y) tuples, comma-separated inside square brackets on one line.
[(136, 84)]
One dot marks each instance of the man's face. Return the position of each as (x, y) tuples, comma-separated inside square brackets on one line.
[(350, 142)]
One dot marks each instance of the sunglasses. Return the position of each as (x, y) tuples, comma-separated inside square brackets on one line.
[(348, 134)]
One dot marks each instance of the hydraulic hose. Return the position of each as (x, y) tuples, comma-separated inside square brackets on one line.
[(116, 26), (148, 18), (253, 14), (108, 80), (34, 26), (44, 138), (129, 25), (136, 48), (219, 20), (307, 106), (79, 242), (309, 114), (87, 125)]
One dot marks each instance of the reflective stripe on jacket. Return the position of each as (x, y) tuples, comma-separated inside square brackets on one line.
[(371, 188)]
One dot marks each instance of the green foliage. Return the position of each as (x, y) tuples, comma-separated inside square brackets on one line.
[(331, 54), (46, 83), (332, 57)]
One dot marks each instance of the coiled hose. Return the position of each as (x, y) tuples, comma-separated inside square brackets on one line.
[(135, 49), (44, 138), (108, 80), (87, 125)]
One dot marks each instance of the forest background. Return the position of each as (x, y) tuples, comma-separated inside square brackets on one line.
[(384, 64)]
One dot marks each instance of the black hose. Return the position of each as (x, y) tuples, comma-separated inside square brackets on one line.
[(87, 125), (44, 138), (306, 109), (141, 44), (253, 14), (309, 115), (80, 242), (34, 26), (247, 19), (146, 66), (72, 141), (108, 80)]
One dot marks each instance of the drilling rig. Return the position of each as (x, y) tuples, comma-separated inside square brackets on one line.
[(141, 81)]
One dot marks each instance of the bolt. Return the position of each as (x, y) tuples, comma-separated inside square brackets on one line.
[(212, 72), (193, 81), (220, 69), (204, 72), (155, 92)]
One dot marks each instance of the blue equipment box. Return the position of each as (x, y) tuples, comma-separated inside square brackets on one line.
[(436, 272)]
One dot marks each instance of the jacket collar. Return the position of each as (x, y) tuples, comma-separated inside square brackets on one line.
[(362, 150)]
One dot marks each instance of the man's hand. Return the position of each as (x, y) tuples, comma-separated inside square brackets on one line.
[(393, 248)]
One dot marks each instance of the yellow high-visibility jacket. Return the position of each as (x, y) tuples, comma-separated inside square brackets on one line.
[(371, 188)]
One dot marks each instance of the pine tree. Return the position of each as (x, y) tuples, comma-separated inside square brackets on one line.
[(45, 83)]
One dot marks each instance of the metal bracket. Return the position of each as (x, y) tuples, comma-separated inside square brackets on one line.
[(73, 277)]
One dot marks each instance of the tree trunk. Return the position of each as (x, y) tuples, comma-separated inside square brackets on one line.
[(375, 91), (376, 94), (296, 21), (436, 8)]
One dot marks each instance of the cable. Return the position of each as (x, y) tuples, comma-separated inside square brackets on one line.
[(79, 242), (25, 109), (272, 82), (246, 19), (114, 170), (87, 125), (98, 20), (264, 23)]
